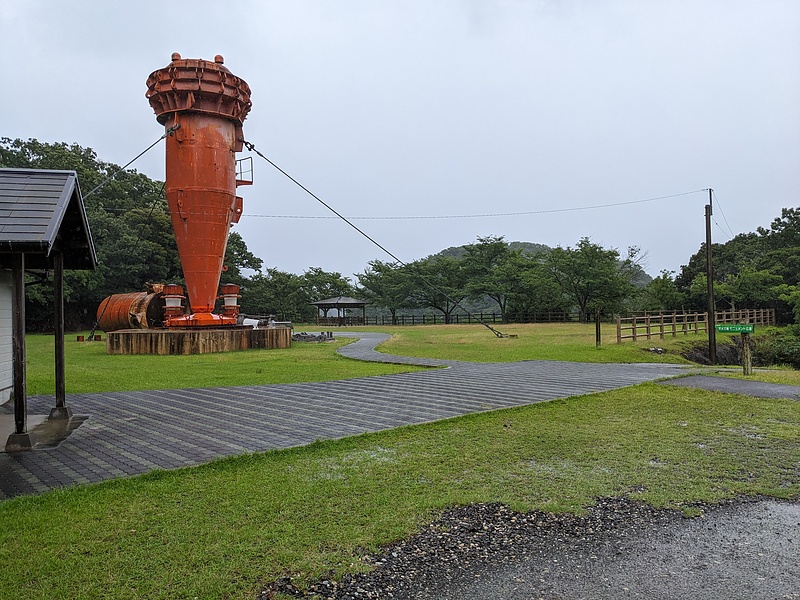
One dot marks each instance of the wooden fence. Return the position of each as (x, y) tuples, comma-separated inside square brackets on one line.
[(467, 319), (438, 319), (648, 325)]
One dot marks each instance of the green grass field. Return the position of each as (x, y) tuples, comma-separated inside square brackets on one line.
[(90, 369), (545, 341), (223, 529)]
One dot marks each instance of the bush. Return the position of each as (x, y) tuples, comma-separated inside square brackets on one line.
[(773, 346), (778, 347)]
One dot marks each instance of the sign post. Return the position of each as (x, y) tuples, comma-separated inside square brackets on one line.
[(747, 355)]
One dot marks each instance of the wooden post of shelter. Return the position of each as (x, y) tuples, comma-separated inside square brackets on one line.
[(21, 438), (61, 410)]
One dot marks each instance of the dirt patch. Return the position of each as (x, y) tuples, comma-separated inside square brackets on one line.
[(727, 354)]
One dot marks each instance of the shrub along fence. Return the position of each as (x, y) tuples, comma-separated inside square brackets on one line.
[(649, 325)]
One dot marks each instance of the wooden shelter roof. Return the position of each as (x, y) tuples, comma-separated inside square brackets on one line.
[(42, 214)]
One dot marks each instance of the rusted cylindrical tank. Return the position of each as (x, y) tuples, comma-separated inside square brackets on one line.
[(204, 105), (137, 310)]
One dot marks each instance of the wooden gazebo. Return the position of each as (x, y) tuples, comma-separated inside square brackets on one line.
[(341, 304), (43, 226)]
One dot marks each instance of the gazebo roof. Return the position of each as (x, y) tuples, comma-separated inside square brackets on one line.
[(41, 214), (340, 302)]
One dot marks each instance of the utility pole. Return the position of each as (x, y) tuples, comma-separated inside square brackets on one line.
[(710, 322)]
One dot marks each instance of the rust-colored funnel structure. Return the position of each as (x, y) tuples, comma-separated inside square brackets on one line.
[(202, 104)]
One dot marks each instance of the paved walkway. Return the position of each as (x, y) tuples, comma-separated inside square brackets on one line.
[(129, 433)]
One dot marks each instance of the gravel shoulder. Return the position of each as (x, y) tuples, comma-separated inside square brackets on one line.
[(745, 548)]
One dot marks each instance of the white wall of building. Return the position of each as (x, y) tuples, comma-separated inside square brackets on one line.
[(6, 337)]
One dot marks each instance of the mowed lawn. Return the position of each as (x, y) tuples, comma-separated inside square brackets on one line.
[(574, 342), (224, 529), (90, 369)]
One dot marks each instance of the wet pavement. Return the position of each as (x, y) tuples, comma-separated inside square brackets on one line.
[(129, 433)]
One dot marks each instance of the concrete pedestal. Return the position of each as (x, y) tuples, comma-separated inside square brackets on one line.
[(20, 442), (61, 412)]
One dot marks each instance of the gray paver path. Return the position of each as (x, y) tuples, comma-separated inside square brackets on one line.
[(129, 433)]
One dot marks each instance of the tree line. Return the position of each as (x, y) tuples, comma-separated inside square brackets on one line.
[(132, 231), (516, 282)]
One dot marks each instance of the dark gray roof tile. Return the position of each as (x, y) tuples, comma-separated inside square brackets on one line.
[(41, 213)]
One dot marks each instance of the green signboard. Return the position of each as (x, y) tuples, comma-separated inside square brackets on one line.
[(736, 328)]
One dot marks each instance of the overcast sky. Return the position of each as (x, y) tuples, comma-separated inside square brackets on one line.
[(446, 109)]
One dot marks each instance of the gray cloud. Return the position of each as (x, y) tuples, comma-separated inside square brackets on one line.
[(446, 108)]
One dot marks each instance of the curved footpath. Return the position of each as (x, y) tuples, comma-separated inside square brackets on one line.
[(129, 433)]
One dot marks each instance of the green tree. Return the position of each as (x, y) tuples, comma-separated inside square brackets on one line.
[(784, 231), (750, 289), (539, 292), (791, 296), (386, 285), (661, 293), (129, 222), (782, 246), (321, 285), (493, 270), (439, 283), (238, 258), (275, 292), (751, 270), (592, 277), (697, 293)]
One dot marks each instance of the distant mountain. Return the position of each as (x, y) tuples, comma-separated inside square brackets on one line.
[(529, 248), (640, 278)]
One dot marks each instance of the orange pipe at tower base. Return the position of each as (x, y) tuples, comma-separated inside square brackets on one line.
[(203, 105)]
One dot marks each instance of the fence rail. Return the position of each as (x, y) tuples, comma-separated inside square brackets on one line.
[(649, 325), (458, 319), (468, 319)]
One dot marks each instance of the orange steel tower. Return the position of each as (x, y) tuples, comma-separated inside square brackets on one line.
[(203, 105)]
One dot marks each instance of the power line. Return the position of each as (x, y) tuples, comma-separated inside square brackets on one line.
[(722, 230), (252, 148), (719, 204), (479, 216), (474, 216), (133, 160)]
